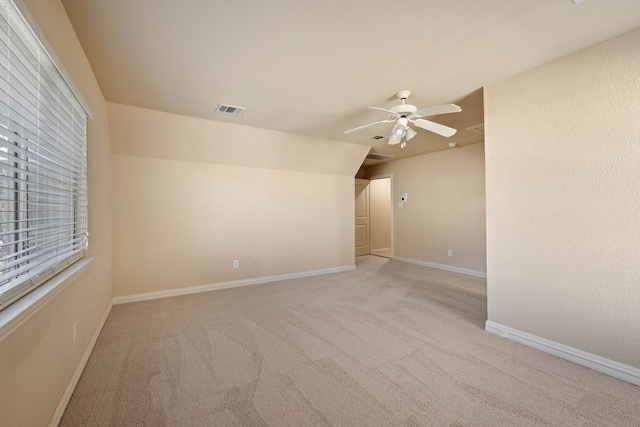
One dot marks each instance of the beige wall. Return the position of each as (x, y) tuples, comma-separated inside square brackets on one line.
[(563, 200), (179, 223), (141, 132), (38, 359), (380, 213), (445, 209)]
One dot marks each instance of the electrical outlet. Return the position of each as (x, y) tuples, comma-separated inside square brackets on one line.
[(450, 252), (74, 334), (235, 263)]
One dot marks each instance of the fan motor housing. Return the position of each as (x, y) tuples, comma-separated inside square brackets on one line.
[(404, 109)]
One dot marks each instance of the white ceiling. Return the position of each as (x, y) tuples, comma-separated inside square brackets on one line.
[(312, 67)]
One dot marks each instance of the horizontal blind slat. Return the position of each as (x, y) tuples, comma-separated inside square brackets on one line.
[(16, 273), (38, 251), (72, 226), (47, 271), (18, 154), (12, 175)]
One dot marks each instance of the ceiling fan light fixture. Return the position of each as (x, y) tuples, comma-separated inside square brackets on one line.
[(404, 113), (393, 139)]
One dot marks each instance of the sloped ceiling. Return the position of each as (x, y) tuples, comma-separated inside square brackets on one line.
[(312, 68)]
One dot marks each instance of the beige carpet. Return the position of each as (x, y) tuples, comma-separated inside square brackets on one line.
[(390, 344)]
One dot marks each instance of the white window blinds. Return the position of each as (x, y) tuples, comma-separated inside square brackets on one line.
[(43, 195)]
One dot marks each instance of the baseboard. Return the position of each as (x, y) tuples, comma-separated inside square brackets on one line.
[(589, 360), (224, 285), (66, 396), (466, 271)]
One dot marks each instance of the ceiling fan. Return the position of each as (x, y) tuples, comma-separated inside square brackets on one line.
[(404, 114)]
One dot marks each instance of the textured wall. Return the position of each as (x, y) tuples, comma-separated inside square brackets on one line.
[(563, 200), (445, 210), (147, 133), (192, 195), (178, 224)]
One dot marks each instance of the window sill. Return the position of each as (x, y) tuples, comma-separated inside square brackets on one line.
[(20, 311)]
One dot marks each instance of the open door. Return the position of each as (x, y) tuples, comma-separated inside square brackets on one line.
[(362, 217), (380, 216)]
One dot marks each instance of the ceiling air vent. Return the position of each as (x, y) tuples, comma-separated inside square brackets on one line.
[(377, 137), (378, 156), (479, 129), (230, 109)]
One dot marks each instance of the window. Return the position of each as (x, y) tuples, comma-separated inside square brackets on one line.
[(43, 196)]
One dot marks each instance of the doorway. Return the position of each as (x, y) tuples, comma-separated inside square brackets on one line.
[(380, 214), (374, 216), (362, 238)]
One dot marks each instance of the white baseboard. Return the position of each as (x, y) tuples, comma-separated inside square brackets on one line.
[(224, 285), (466, 271), (589, 360), (66, 396)]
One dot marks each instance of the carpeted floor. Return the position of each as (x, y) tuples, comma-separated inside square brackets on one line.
[(389, 344)]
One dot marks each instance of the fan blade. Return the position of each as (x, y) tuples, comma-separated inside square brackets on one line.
[(394, 139), (386, 111), (366, 126), (434, 127), (440, 109)]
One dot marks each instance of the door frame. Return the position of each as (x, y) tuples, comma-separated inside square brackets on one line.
[(380, 176)]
